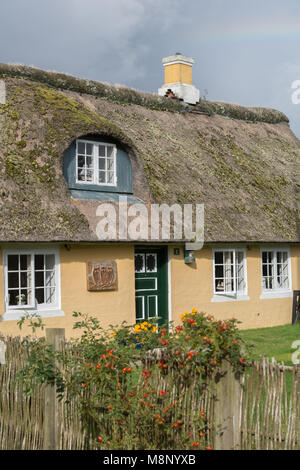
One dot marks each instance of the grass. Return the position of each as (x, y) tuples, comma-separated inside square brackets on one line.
[(273, 342)]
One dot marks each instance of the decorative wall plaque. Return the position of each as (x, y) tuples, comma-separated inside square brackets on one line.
[(101, 275)]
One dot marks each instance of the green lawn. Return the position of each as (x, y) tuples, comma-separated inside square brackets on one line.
[(273, 342)]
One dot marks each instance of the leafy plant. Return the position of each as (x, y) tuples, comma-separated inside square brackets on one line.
[(139, 387)]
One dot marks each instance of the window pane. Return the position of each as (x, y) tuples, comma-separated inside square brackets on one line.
[(13, 262), (89, 162), (39, 278), (12, 297), (50, 261), (89, 175), (81, 147), (219, 257), (219, 285), (219, 271), (13, 280), (102, 177), (81, 174), (81, 162), (101, 151), (25, 262), (241, 283), (50, 295), (39, 261), (50, 278), (39, 296), (110, 151), (101, 163), (110, 164), (89, 149), (110, 177), (24, 298), (25, 279)]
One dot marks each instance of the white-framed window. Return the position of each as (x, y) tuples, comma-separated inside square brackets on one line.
[(276, 270), (96, 163), (32, 281), (229, 273)]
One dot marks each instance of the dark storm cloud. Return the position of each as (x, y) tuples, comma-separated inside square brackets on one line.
[(246, 52)]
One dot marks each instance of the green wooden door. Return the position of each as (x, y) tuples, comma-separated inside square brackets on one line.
[(151, 285)]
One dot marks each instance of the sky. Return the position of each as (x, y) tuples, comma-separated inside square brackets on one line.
[(245, 51)]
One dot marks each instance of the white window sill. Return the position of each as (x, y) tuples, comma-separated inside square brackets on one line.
[(276, 294), (18, 314), (229, 298)]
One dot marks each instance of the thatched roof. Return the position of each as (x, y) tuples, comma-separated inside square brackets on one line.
[(242, 163)]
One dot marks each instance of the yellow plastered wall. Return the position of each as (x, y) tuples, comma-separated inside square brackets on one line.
[(192, 287), (178, 73), (110, 307)]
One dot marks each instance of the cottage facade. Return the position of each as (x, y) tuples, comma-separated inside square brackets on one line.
[(70, 146)]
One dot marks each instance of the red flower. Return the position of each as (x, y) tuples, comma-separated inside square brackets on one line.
[(100, 438), (88, 365), (83, 385), (162, 393)]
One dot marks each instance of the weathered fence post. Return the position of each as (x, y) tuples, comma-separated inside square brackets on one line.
[(227, 408), (55, 337), (2, 352)]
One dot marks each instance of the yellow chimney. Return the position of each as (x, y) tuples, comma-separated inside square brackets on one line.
[(178, 68), (178, 78)]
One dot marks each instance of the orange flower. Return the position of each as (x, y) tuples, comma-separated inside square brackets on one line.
[(195, 444), (208, 448), (100, 438)]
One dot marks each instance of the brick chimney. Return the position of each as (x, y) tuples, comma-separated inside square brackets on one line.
[(178, 78)]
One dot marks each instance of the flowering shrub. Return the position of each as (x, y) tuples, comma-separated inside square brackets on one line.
[(140, 387)]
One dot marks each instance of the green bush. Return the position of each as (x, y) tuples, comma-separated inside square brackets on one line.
[(139, 387)]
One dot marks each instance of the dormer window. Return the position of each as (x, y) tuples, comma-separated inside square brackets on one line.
[(96, 163)]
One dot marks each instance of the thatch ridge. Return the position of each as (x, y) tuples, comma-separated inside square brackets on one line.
[(121, 94)]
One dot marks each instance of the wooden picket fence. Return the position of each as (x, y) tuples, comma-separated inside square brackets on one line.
[(258, 410), (269, 407)]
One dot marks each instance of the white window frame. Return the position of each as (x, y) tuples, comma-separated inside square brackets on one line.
[(232, 295), (95, 168), (276, 292), (16, 312)]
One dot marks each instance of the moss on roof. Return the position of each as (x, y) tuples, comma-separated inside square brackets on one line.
[(246, 172)]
